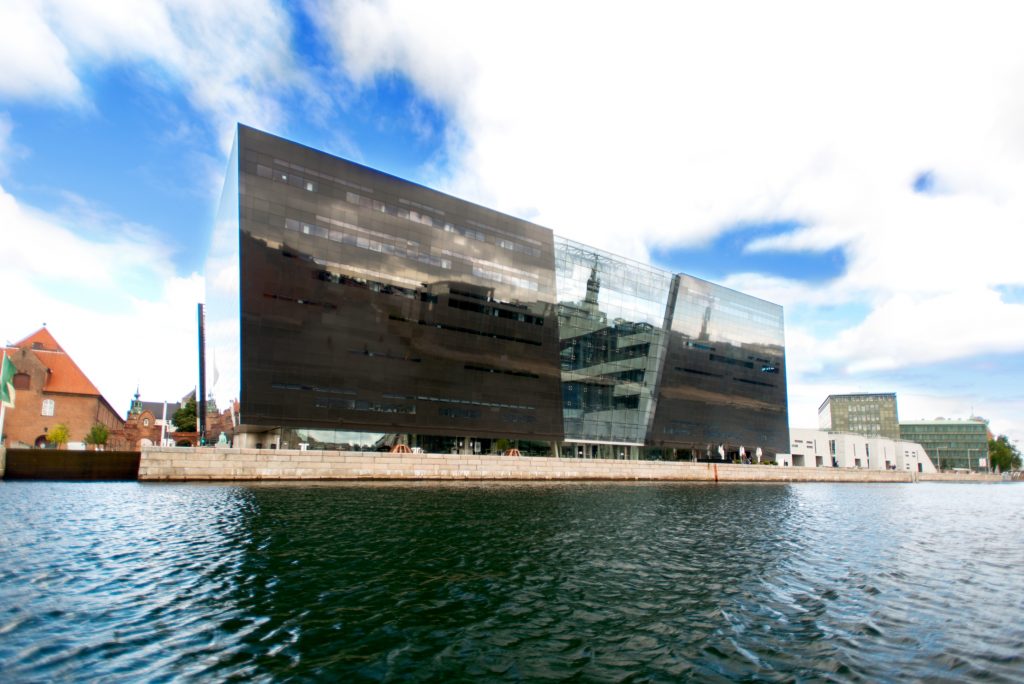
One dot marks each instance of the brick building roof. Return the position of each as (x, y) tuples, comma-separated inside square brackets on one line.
[(40, 339), (157, 408), (65, 377)]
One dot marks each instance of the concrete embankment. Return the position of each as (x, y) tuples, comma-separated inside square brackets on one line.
[(180, 464)]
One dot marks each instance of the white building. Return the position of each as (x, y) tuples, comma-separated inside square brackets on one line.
[(828, 449)]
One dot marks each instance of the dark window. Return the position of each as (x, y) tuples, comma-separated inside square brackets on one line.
[(734, 362), (458, 412), (753, 382), (21, 381), (699, 372)]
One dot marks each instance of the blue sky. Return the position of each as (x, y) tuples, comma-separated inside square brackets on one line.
[(876, 194), (141, 151)]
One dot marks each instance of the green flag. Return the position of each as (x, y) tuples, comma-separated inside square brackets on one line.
[(7, 382)]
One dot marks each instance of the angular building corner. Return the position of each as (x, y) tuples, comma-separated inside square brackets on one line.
[(350, 309)]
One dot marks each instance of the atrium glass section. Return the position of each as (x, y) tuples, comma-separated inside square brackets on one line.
[(611, 328), (724, 379)]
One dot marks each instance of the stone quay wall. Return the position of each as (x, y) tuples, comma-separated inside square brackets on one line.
[(959, 477), (190, 464)]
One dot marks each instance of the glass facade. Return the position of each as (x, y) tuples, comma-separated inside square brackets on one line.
[(369, 303), (871, 415), (724, 379), (611, 329), (351, 309), (950, 443)]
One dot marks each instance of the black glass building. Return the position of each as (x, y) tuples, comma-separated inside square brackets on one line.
[(351, 309)]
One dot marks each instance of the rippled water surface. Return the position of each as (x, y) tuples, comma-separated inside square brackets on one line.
[(610, 582)]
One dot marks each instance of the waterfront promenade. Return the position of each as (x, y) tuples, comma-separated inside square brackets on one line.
[(185, 464)]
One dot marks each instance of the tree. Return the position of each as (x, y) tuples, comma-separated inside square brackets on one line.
[(184, 419), (98, 435), (58, 435), (1002, 454)]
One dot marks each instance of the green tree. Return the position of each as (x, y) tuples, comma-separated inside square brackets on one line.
[(184, 419), (1002, 454), (58, 435), (98, 435)]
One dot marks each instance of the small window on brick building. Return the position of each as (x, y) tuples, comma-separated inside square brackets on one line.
[(47, 407), (21, 381), (145, 422)]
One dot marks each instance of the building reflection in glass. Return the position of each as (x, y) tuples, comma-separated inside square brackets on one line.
[(372, 304), (724, 378), (349, 309), (611, 316), (672, 363)]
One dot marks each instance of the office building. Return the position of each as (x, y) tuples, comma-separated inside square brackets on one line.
[(952, 444), (351, 309), (871, 415), (825, 449)]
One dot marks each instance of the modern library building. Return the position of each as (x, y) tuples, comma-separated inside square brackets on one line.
[(350, 309)]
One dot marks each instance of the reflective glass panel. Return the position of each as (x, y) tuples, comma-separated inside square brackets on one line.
[(611, 314), (723, 387)]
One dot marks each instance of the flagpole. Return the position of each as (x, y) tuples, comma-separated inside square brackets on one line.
[(163, 426)]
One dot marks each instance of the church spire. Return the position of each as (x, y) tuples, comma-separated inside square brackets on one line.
[(136, 408), (593, 287)]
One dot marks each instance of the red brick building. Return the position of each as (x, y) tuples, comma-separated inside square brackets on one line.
[(51, 389), (145, 424), (141, 429)]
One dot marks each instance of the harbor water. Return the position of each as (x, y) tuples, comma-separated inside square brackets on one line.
[(511, 581)]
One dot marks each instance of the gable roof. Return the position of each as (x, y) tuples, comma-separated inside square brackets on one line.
[(65, 377), (157, 408), (40, 339)]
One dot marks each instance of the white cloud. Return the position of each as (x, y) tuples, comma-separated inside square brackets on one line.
[(36, 62), (909, 330), (666, 124), (818, 238), (233, 58)]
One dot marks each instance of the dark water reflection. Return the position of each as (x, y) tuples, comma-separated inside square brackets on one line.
[(611, 582)]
